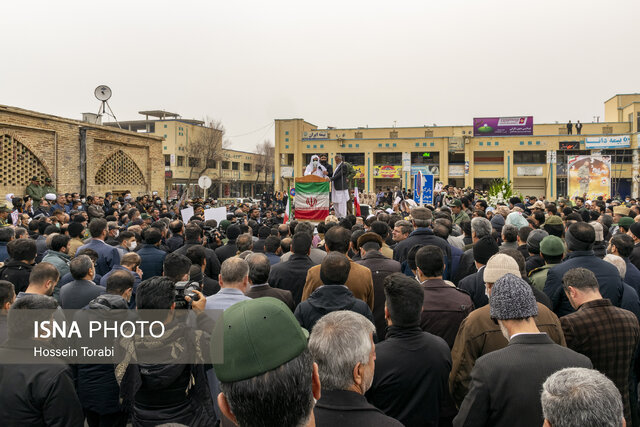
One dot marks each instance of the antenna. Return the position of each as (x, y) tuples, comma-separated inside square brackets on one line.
[(103, 93)]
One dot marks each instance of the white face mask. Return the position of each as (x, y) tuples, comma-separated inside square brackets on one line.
[(315, 163), (117, 234), (133, 245)]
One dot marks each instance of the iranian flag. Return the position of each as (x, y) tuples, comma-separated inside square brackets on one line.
[(311, 201)]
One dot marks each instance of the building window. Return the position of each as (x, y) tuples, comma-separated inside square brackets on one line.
[(165, 136), (247, 167), (350, 146), (393, 134), (357, 146), (165, 126), (180, 160), (286, 140), (286, 147), (212, 164), (235, 166), (225, 165), (286, 132), (167, 159), (358, 135), (354, 158), (194, 162), (425, 158), (165, 147), (520, 157), (387, 158)]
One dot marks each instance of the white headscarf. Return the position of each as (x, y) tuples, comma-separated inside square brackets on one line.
[(319, 169)]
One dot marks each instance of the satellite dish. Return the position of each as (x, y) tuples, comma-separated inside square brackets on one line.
[(204, 182), (102, 92)]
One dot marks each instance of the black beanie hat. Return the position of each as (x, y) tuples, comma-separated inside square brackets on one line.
[(484, 249)]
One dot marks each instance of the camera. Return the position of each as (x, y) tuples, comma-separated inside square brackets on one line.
[(185, 289)]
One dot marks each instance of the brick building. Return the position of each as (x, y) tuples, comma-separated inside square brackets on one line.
[(78, 156)]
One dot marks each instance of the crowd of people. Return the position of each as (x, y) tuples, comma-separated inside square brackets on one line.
[(459, 313)]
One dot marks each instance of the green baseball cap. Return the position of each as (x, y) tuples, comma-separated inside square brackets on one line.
[(626, 222), (259, 335), (455, 202), (552, 246), (145, 216), (553, 220)]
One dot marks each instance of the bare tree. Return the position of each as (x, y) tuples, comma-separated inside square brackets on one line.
[(204, 151), (266, 161)]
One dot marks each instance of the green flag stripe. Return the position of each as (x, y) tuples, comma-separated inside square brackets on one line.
[(312, 187)]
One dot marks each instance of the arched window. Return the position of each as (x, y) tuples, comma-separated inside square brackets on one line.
[(19, 164), (119, 169)]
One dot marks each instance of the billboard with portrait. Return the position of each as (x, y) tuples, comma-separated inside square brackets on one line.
[(589, 176)]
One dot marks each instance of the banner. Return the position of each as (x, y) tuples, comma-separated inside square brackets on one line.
[(311, 200), (614, 141), (589, 176), (425, 169), (387, 171), (359, 171), (503, 126), (426, 182)]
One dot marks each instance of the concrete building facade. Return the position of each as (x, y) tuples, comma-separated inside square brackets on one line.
[(78, 156), (385, 157), (235, 174)]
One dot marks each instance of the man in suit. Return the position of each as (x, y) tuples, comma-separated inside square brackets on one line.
[(422, 235), (580, 238), (479, 335), (151, 257), (108, 256), (229, 249), (347, 378), (359, 282), (291, 275), (193, 236), (483, 249), (259, 268), (505, 384), (340, 191), (606, 334), (370, 245)]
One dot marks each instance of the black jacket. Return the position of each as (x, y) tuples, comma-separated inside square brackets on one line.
[(635, 255), (175, 242), (474, 285), (607, 275), (258, 245), (505, 384), (16, 272), (348, 408), (152, 261), (533, 262), (339, 178), (420, 236), (260, 291), (227, 251), (291, 275), (411, 376), (212, 270), (77, 294), (327, 299), (36, 394), (380, 267), (96, 384), (466, 266)]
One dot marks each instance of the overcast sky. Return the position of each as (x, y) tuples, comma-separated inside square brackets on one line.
[(333, 63)]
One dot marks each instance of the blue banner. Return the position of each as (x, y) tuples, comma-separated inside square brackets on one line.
[(427, 189)]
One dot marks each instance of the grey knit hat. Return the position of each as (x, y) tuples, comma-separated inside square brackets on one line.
[(534, 239), (512, 298)]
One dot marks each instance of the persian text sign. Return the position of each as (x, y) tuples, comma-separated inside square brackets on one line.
[(613, 141), (503, 126)]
